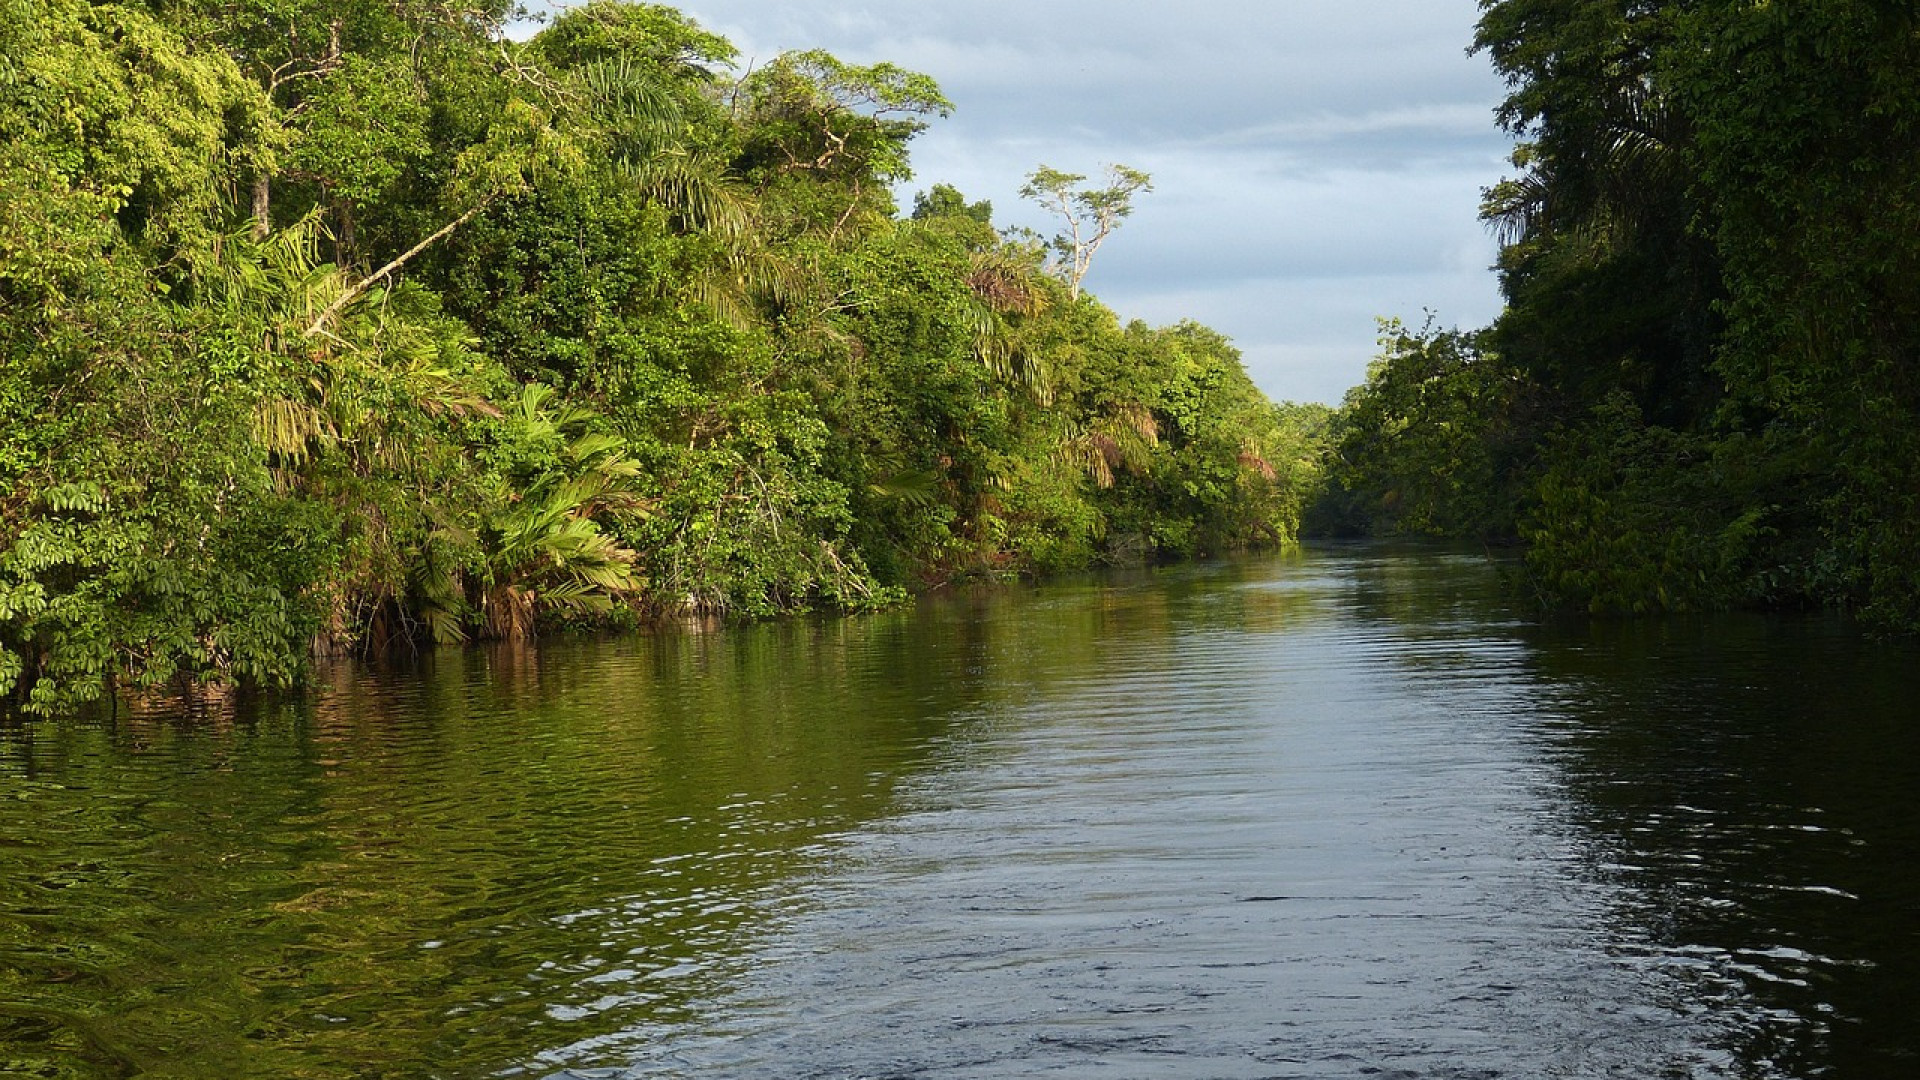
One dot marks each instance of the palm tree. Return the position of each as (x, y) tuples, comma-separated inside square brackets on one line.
[(547, 549)]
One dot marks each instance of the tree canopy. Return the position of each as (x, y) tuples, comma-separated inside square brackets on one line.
[(1088, 215)]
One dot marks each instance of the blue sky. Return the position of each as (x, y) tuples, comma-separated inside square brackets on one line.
[(1316, 163)]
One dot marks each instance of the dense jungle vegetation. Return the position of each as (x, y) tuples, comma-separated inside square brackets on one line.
[(329, 325), (1705, 388)]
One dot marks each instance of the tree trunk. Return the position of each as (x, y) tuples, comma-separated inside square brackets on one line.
[(262, 206), (343, 244), (509, 614), (374, 278)]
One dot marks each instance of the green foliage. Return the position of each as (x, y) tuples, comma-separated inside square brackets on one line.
[(914, 412), (364, 128), (1806, 151), (1631, 518), (945, 201), (1428, 444), (647, 35), (328, 327), (106, 101), (1702, 390), (141, 539), (548, 545), (1230, 470), (824, 138)]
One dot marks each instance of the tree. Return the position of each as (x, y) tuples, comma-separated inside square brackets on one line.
[(1426, 445), (946, 201), (1809, 169), (1709, 274), (345, 81), (838, 131), (1609, 284), (1090, 214), (662, 39)]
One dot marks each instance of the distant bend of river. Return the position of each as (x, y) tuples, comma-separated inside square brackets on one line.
[(1341, 815)]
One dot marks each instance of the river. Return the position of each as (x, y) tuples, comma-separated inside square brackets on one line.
[(1339, 814)]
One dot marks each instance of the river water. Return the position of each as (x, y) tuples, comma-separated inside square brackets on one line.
[(1335, 815)]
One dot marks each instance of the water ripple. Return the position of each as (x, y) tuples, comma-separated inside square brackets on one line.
[(1336, 816)]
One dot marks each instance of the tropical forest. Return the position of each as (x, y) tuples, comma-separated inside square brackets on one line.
[(583, 541), (1704, 391), (332, 327)]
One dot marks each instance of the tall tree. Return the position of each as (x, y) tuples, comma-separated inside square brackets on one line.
[(1609, 286), (837, 131), (1089, 215)]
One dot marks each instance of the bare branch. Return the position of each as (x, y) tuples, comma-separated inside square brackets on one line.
[(367, 283)]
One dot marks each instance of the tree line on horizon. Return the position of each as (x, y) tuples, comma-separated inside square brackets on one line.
[(327, 326)]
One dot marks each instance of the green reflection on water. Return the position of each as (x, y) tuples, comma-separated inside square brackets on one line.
[(435, 871), (447, 868)]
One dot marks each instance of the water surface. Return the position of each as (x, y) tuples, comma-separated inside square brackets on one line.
[(1338, 815)]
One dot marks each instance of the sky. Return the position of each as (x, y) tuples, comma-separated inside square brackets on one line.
[(1317, 164)]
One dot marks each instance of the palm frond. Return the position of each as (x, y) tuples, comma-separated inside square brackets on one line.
[(631, 100), (914, 487)]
